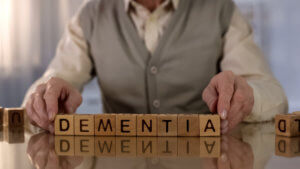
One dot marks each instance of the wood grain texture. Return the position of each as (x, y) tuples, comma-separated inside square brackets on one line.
[(84, 125), (13, 117), (146, 125), (64, 124), (209, 125), (105, 125), (188, 125), (126, 124), (167, 124), (287, 125)]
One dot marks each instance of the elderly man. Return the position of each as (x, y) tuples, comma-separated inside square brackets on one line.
[(159, 56)]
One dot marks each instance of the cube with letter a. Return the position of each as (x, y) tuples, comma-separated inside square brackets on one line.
[(287, 125), (14, 117), (64, 124), (210, 125)]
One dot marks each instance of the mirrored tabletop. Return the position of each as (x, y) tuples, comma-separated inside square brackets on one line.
[(249, 146)]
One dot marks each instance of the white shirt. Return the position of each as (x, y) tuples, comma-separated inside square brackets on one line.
[(241, 55)]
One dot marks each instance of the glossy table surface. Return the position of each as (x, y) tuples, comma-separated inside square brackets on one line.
[(250, 146)]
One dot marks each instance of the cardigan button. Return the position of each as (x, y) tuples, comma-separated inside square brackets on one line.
[(154, 70), (156, 103)]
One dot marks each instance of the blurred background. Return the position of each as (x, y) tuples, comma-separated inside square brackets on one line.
[(31, 29)]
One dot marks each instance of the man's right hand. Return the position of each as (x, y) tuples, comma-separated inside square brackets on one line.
[(56, 95)]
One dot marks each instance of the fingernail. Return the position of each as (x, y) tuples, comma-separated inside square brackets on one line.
[(51, 116), (223, 114), (224, 157), (224, 124)]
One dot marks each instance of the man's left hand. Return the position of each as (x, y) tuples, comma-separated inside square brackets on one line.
[(231, 97)]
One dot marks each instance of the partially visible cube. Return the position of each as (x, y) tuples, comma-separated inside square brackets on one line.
[(14, 117)]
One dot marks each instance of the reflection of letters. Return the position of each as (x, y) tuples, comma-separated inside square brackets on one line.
[(123, 146), (284, 125), (209, 147), (101, 148), (16, 117), (282, 146), (108, 124), (63, 148), (167, 147), (82, 145), (144, 149), (209, 125), (149, 127), (61, 126)]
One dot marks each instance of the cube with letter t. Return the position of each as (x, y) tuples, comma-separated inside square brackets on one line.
[(64, 124)]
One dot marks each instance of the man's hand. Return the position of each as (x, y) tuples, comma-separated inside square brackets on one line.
[(231, 97), (50, 98)]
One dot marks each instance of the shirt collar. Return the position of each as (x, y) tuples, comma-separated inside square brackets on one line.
[(127, 2)]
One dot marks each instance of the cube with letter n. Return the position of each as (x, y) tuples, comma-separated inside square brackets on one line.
[(64, 124)]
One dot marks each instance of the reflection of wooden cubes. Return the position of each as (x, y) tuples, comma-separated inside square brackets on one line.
[(188, 125), (210, 147), (146, 125), (84, 125), (296, 113), (126, 124), (209, 125), (105, 146), (64, 145), (1, 116), (84, 146), (167, 124), (64, 124), (14, 135), (167, 146), (188, 146), (14, 117), (287, 147), (287, 125), (126, 146), (146, 146), (105, 125)]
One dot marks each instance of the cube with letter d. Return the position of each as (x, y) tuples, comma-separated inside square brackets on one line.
[(64, 124)]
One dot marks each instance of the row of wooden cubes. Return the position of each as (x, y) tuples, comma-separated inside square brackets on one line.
[(138, 125), (288, 124), (287, 146), (12, 135), (13, 117), (109, 146)]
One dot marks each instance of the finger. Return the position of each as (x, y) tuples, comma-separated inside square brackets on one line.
[(210, 97), (51, 99), (223, 162), (33, 117), (53, 161), (224, 124), (225, 88), (40, 109), (73, 101)]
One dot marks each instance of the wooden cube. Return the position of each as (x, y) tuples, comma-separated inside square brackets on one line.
[(64, 145), (64, 124), (210, 147), (125, 146), (188, 125), (287, 146), (296, 113), (1, 116), (209, 125), (188, 146), (146, 146), (287, 125), (126, 124), (14, 135), (105, 125), (167, 124), (167, 147), (105, 146), (147, 125), (84, 146), (1, 133), (84, 125), (14, 117)]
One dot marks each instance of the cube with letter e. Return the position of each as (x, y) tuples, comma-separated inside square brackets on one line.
[(64, 124)]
